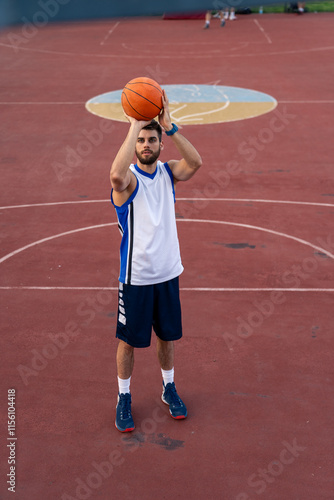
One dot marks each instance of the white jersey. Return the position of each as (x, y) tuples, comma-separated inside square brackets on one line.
[(150, 251)]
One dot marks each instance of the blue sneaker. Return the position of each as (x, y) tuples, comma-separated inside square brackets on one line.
[(177, 408), (124, 421)]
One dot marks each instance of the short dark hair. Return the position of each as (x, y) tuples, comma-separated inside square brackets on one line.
[(154, 125)]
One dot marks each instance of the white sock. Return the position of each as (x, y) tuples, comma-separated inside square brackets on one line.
[(123, 385), (168, 376)]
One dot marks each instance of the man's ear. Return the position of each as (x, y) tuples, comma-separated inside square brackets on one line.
[(162, 145)]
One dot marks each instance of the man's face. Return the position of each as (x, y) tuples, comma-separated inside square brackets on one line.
[(148, 147)]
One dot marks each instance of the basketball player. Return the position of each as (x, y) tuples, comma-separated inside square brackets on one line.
[(144, 195)]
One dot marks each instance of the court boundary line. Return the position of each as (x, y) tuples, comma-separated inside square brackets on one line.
[(265, 34), (307, 102), (162, 56), (109, 33), (62, 103), (248, 200), (82, 103), (184, 289)]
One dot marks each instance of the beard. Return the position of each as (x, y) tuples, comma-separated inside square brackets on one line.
[(148, 159)]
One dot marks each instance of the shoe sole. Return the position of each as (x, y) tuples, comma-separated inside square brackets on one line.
[(179, 417), (129, 429)]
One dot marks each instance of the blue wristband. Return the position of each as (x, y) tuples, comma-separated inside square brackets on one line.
[(173, 130)]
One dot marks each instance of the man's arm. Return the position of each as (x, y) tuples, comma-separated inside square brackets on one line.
[(191, 161), (120, 175)]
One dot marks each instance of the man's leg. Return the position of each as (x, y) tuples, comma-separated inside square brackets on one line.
[(207, 19), (222, 19), (125, 362), (165, 350)]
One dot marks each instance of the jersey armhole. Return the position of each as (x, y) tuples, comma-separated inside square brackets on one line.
[(170, 173), (129, 200)]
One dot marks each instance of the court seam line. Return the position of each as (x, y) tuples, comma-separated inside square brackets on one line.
[(248, 200)]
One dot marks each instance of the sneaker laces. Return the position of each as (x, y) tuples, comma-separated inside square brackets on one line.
[(125, 405), (171, 392)]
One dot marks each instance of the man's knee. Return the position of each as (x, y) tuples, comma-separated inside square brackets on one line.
[(125, 345), (125, 349)]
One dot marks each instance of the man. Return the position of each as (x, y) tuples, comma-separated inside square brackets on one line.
[(143, 195), (208, 16)]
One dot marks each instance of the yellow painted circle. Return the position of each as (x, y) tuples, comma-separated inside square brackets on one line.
[(194, 104)]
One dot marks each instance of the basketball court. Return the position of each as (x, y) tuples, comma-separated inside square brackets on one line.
[(255, 225)]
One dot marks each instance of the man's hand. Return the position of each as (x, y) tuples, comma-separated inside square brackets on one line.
[(164, 117), (137, 123)]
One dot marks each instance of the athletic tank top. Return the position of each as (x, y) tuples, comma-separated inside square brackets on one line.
[(149, 251)]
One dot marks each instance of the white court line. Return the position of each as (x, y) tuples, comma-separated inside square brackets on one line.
[(49, 238), (12, 103), (184, 289), (109, 33), (248, 200), (266, 230), (204, 221), (134, 48), (82, 103), (195, 116), (262, 30), (83, 288), (172, 56), (259, 201), (197, 289), (172, 113), (55, 203), (307, 102)]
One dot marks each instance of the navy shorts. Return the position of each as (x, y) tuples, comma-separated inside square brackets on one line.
[(142, 307)]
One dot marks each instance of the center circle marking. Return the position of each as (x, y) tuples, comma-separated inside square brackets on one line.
[(192, 104)]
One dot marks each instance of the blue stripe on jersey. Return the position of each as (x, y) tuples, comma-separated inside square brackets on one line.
[(170, 173), (129, 259), (124, 248), (125, 224)]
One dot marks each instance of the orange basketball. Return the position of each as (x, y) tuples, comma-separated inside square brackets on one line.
[(142, 98)]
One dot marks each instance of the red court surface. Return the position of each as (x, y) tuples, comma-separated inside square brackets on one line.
[(255, 365)]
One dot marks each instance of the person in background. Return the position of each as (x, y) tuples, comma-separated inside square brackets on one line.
[(209, 15), (230, 14), (301, 7)]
